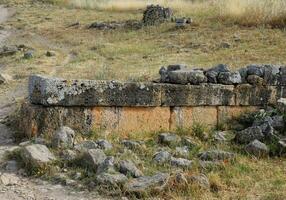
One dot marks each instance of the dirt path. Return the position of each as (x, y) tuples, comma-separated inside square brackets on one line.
[(24, 188)]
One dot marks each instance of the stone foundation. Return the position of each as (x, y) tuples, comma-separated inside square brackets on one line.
[(122, 107)]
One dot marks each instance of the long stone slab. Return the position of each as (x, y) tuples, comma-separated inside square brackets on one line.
[(61, 92), (197, 95)]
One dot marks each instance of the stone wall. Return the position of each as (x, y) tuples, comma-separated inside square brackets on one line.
[(124, 107)]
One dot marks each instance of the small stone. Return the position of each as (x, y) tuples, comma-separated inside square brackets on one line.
[(181, 162), (131, 144), (229, 78), (107, 166), (28, 55), (216, 155), (63, 138), (162, 157), (202, 180), (12, 166), (249, 134), (182, 151), (50, 53), (169, 139), (93, 158), (257, 149), (9, 179), (145, 184), (86, 145), (127, 167), (104, 144), (114, 180), (255, 80), (37, 155)]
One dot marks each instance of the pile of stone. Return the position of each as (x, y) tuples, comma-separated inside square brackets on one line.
[(221, 74), (155, 14), (265, 135)]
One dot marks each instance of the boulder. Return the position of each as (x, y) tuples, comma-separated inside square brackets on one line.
[(127, 167), (243, 74), (169, 139), (229, 78), (249, 134), (202, 180), (104, 144), (197, 77), (37, 155), (271, 74), (278, 122), (145, 184), (86, 145), (107, 166), (68, 155), (162, 157), (254, 69), (216, 155), (212, 74), (63, 138), (257, 149), (113, 180), (155, 15), (181, 162), (179, 76), (92, 158)]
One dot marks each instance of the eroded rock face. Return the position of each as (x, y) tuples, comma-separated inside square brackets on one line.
[(145, 184), (37, 155)]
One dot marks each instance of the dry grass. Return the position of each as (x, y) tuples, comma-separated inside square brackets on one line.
[(254, 12)]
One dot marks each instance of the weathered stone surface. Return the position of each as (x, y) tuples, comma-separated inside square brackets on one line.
[(63, 138), (197, 95), (255, 96), (255, 80), (92, 158), (68, 155), (107, 166), (249, 134), (146, 184), (155, 15), (37, 120), (12, 166), (202, 180), (257, 149), (216, 155), (182, 151), (179, 76), (169, 139), (9, 179), (282, 77), (271, 74), (181, 162), (37, 155), (229, 78), (130, 144), (212, 74), (254, 69), (114, 179), (104, 144), (162, 157), (197, 77), (61, 92), (127, 167), (86, 145)]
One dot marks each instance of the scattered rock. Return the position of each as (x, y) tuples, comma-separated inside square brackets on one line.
[(12, 166), (28, 55), (93, 158), (202, 180), (37, 155), (131, 144), (249, 134), (63, 138), (127, 167), (107, 166), (216, 155), (162, 157), (68, 155), (9, 179), (155, 15), (181, 162), (229, 78), (86, 145), (145, 184), (114, 180), (104, 144), (50, 53), (182, 151), (257, 149), (169, 139)]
